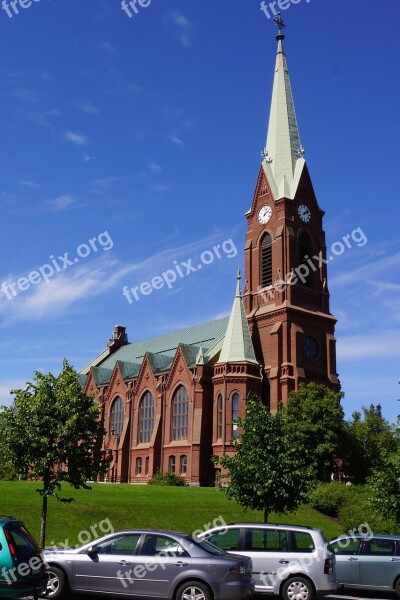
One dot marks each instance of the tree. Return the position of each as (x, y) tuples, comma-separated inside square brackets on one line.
[(384, 481), (316, 412), (270, 469), (53, 433), (368, 440)]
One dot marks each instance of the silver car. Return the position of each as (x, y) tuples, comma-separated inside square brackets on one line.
[(149, 563), (370, 562), (290, 561)]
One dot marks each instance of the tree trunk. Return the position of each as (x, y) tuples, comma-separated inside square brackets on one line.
[(43, 522), (266, 513)]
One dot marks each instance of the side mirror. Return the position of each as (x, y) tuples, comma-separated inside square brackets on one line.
[(91, 550)]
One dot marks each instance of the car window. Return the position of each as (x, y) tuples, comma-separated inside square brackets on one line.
[(265, 540), (345, 545), (302, 542), (155, 545), (24, 544), (123, 544), (226, 539), (208, 546), (379, 547)]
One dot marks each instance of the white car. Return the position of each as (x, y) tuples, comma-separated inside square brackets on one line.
[(291, 561)]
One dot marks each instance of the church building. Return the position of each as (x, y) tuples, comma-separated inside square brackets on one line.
[(168, 402)]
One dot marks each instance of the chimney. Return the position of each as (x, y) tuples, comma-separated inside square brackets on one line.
[(119, 338)]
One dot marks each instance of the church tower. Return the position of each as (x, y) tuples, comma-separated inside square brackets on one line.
[(286, 296)]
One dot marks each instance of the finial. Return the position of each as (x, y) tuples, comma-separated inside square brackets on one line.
[(238, 276), (281, 25)]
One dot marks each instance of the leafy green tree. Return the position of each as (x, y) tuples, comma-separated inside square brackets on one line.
[(315, 411), (270, 470), (53, 433), (369, 437), (384, 482)]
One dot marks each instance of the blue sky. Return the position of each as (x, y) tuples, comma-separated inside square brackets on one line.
[(146, 133)]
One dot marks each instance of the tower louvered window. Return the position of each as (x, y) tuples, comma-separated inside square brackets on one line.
[(266, 261), (305, 252)]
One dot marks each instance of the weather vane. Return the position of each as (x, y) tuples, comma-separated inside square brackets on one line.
[(279, 22)]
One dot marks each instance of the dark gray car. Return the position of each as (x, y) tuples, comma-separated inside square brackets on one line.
[(148, 563), (368, 562)]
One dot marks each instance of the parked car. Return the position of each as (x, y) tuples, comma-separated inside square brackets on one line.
[(22, 570), (370, 562), (290, 561), (148, 563)]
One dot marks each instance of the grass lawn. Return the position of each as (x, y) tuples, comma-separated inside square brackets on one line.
[(130, 506)]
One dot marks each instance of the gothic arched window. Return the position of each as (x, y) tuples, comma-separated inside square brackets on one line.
[(235, 413), (117, 417), (305, 252), (146, 418), (219, 417), (180, 414), (266, 261)]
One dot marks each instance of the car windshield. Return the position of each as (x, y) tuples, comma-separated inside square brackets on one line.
[(208, 547)]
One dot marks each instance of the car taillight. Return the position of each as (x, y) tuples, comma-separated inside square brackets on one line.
[(11, 545), (328, 567), (241, 569)]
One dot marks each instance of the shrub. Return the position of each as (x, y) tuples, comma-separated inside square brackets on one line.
[(167, 479), (328, 498)]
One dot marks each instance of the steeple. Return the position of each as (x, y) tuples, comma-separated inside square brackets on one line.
[(283, 160), (237, 346)]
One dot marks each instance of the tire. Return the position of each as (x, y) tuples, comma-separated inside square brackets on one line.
[(397, 587), (193, 590), (57, 584), (297, 588)]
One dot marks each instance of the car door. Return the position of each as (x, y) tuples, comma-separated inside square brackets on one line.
[(160, 560), (268, 549), (379, 565), (108, 568), (346, 550)]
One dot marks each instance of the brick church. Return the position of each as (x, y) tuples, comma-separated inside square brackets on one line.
[(168, 402)]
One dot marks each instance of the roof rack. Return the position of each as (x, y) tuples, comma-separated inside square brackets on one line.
[(273, 524)]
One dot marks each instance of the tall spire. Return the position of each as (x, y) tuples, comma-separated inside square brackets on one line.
[(283, 154), (237, 346)]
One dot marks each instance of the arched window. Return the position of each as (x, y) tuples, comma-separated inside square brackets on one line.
[(180, 414), (235, 413), (172, 464), (219, 417), (117, 418), (266, 261), (183, 464), (146, 418), (139, 463), (305, 252), (146, 466)]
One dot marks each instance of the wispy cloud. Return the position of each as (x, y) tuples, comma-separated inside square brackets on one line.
[(105, 181), (60, 203), (107, 47), (160, 187), (29, 184), (154, 167), (88, 108), (176, 140), (383, 344), (75, 138), (183, 28)]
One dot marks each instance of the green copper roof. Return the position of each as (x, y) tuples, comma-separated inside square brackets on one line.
[(237, 346), (162, 349), (101, 376), (283, 155)]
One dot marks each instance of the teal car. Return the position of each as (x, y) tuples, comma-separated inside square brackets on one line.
[(22, 570), (369, 562)]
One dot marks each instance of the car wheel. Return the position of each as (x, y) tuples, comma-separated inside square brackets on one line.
[(397, 587), (193, 590), (297, 588), (57, 583)]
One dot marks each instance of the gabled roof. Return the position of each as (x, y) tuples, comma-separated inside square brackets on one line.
[(162, 349), (101, 375)]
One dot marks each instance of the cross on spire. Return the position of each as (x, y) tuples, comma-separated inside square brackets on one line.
[(281, 25)]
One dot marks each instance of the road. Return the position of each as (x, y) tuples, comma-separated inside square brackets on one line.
[(341, 595)]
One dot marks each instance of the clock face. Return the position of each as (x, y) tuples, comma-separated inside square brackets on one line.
[(264, 214), (304, 213)]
